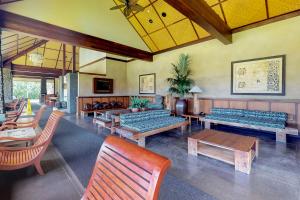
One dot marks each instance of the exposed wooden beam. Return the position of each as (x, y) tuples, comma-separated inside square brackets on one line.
[(45, 30), (202, 14), (74, 59), (2, 2), (28, 74), (24, 52), (33, 70)]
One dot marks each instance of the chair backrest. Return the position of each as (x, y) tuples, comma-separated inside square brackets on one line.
[(126, 171), (38, 116), (20, 110), (49, 130)]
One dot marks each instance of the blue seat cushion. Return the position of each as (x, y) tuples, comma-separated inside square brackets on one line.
[(152, 124)]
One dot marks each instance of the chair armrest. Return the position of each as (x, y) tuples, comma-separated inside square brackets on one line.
[(17, 139)]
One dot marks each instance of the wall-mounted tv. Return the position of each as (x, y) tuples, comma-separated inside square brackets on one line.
[(103, 86)]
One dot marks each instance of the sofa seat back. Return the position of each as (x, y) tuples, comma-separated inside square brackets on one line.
[(251, 117)]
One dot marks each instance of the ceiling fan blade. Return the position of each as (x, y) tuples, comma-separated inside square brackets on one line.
[(127, 11), (137, 8), (117, 7), (133, 2), (122, 1)]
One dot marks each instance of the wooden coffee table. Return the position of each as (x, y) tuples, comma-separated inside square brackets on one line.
[(231, 148)]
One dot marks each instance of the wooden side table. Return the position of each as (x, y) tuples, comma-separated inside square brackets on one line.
[(191, 116)]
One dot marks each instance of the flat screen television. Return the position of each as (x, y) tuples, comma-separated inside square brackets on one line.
[(103, 86)]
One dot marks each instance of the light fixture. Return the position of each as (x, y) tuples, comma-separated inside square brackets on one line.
[(36, 58), (195, 91)]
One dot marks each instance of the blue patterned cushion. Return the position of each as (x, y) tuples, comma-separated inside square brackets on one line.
[(143, 116), (152, 124), (251, 117)]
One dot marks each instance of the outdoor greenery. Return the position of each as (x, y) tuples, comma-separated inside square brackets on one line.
[(26, 89), (181, 82)]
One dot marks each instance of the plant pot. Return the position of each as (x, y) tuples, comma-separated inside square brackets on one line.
[(134, 110), (181, 106)]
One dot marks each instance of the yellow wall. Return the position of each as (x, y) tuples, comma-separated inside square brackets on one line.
[(114, 69), (92, 17), (211, 60)]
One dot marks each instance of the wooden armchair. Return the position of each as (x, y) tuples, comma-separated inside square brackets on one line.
[(12, 105), (14, 115), (33, 124), (12, 158), (126, 171)]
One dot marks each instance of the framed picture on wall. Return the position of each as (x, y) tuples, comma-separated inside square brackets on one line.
[(147, 84), (261, 76)]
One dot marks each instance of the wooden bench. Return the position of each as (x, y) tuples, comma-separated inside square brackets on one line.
[(280, 133), (140, 138), (84, 113)]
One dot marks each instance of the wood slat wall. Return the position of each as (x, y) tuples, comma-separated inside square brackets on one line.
[(93, 99)]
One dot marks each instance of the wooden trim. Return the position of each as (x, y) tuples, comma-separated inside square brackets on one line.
[(93, 62), (202, 14), (25, 51), (42, 29), (255, 59), (267, 21), (87, 73)]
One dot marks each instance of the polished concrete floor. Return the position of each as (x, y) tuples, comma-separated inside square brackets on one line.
[(275, 173)]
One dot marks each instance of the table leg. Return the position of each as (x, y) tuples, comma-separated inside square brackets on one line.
[(243, 161), (192, 146)]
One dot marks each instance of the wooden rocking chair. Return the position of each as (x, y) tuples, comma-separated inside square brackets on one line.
[(12, 158), (126, 171), (33, 124), (14, 115), (13, 105)]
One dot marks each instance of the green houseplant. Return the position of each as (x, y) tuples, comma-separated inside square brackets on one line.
[(144, 103), (135, 103), (181, 83)]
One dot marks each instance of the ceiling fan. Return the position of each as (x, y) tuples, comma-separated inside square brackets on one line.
[(130, 6)]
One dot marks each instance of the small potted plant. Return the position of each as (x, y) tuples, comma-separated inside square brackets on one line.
[(144, 103), (135, 103)]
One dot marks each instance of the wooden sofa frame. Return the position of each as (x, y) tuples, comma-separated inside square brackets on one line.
[(140, 138), (280, 133)]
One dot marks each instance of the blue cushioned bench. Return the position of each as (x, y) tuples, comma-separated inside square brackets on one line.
[(137, 126), (253, 119)]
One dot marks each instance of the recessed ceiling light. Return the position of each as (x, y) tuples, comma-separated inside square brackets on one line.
[(163, 14), (150, 21)]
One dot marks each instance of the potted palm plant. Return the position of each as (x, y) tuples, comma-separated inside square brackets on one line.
[(181, 83)]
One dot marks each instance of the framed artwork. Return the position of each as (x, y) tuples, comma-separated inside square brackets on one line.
[(147, 84), (261, 76)]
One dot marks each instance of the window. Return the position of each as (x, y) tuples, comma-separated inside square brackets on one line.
[(50, 86)]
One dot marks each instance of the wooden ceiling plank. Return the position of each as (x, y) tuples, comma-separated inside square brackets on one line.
[(49, 31), (44, 54), (202, 14), (25, 51), (58, 55)]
